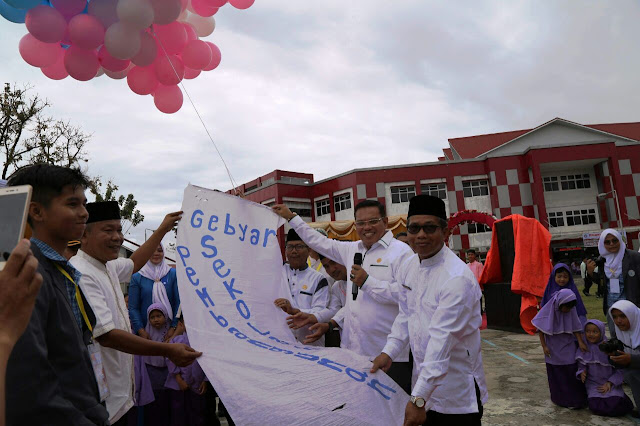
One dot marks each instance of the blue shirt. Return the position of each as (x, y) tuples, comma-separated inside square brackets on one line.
[(57, 258), (141, 297)]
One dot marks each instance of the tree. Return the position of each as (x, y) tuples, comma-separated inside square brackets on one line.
[(27, 136), (130, 215), (18, 112)]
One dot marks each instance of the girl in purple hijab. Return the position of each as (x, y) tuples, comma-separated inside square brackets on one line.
[(561, 278), (187, 386), (560, 335), (157, 412), (602, 380)]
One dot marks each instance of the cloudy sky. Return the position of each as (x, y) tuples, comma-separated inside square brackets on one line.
[(328, 86)]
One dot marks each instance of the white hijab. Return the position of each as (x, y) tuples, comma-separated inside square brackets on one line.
[(613, 261), (631, 337), (155, 273)]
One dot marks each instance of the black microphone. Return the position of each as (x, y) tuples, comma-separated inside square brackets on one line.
[(357, 260)]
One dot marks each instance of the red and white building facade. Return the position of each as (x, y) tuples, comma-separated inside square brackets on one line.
[(573, 178)]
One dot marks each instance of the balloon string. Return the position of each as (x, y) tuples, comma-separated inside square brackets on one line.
[(234, 185)]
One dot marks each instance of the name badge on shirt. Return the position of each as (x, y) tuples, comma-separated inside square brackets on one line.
[(614, 285), (98, 370)]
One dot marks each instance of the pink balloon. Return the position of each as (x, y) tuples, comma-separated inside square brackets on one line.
[(165, 11), (216, 57), (196, 54), (183, 5), (81, 64), (142, 80), (39, 54), (169, 71), (190, 74), (110, 63), (191, 32), (242, 4), (168, 99), (148, 51), (203, 8), (217, 3), (105, 11), (172, 37), (56, 71), (46, 23), (69, 8), (86, 31)]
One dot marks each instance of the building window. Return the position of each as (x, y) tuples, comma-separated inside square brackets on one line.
[(402, 194), (581, 217), (556, 219), (550, 184), (435, 189), (475, 188), (477, 228), (342, 202), (580, 181), (302, 212), (323, 207), (294, 180)]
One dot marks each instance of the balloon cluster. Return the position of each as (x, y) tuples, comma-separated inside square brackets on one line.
[(154, 44)]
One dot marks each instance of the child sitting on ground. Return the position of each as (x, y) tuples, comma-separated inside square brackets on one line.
[(560, 335), (626, 317), (602, 380), (157, 412), (561, 278), (187, 386)]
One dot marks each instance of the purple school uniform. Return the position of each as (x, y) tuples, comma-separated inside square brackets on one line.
[(188, 408), (599, 371), (558, 328), (157, 413)]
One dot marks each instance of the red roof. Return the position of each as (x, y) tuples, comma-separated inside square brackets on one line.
[(442, 159), (626, 130), (447, 153), (474, 146)]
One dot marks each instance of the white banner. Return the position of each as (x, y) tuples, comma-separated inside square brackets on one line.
[(230, 271)]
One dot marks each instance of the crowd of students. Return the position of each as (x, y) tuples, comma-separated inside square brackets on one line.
[(584, 367)]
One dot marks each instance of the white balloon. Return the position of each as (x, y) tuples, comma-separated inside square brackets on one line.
[(184, 15), (204, 26), (118, 75), (165, 11), (121, 41), (135, 13)]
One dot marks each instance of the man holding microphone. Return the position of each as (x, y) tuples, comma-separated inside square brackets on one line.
[(372, 298)]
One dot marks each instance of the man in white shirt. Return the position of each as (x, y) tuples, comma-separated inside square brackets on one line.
[(439, 318), (368, 314), (102, 272), (337, 301), (309, 289)]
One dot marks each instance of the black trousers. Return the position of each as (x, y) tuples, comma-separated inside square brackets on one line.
[(472, 419), (400, 372)]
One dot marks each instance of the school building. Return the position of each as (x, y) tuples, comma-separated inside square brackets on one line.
[(574, 178)]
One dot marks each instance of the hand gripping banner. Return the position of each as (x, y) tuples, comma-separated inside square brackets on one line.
[(229, 273)]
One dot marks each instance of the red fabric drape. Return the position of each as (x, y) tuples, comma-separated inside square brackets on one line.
[(531, 268)]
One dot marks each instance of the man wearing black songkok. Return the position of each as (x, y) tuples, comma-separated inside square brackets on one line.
[(440, 320), (309, 288)]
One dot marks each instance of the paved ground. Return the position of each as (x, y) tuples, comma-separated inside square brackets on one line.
[(518, 390)]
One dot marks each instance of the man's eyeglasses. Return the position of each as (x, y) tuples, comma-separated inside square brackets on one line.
[(428, 229), (370, 222), (292, 247), (610, 242)]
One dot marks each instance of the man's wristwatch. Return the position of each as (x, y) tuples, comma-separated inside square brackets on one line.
[(418, 401)]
